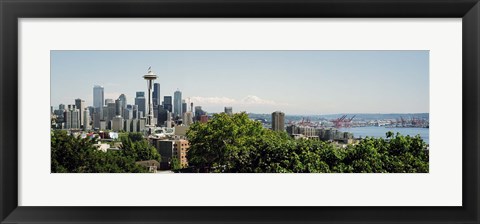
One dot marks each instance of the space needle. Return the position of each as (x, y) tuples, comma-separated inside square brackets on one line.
[(150, 76)]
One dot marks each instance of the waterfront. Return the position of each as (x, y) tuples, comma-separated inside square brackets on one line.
[(374, 131)]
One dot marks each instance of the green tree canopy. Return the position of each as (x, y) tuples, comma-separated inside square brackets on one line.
[(234, 143), (71, 154), (134, 145)]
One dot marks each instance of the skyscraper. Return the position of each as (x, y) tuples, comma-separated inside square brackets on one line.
[(123, 104), (177, 103), (75, 120), (156, 94), (107, 101), (86, 119), (98, 96), (169, 120), (184, 107), (161, 116), (278, 121), (111, 111), (187, 118), (71, 118), (140, 101), (135, 112), (80, 105), (97, 116), (128, 112), (118, 107), (167, 103), (156, 99), (199, 112), (140, 94), (98, 102), (91, 111)]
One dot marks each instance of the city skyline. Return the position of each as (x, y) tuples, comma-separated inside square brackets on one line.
[(295, 82)]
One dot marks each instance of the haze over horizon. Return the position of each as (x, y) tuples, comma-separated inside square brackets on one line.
[(295, 82)]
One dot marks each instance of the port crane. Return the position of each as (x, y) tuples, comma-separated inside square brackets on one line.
[(349, 122), (343, 121), (305, 121)]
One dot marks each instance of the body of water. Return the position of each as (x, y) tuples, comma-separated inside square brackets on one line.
[(378, 132)]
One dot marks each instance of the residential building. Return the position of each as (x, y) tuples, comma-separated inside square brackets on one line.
[(170, 149), (278, 121), (72, 118), (229, 110)]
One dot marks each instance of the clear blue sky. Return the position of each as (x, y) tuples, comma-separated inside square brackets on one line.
[(296, 82)]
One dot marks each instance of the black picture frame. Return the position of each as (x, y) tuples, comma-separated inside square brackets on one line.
[(12, 10)]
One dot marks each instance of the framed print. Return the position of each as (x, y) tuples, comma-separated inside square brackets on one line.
[(249, 112)]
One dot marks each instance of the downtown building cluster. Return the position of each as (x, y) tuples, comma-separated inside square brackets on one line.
[(119, 115), (164, 122)]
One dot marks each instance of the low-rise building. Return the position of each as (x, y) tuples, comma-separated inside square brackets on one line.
[(102, 146), (181, 130), (117, 123), (103, 125), (151, 165), (170, 149)]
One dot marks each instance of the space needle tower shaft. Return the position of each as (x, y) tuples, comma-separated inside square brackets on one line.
[(150, 77)]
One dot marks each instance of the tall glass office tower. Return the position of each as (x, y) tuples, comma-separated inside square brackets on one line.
[(167, 103), (141, 102), (177, 103), (156, 94), (98, 97), (123, 104)]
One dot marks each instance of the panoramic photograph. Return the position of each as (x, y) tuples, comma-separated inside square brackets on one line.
[(239, 111)]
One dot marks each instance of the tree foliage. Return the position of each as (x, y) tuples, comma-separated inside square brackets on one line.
[(234, 143), (176, 164), (71, 154), (138, 148)]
